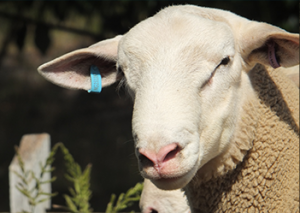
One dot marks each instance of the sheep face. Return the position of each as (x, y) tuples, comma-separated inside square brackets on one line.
[(186, 90), (186, 70)]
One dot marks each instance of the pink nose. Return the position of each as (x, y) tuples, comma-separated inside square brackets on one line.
[(158, 159)]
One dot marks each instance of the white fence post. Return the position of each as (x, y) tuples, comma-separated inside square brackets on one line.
[(34, 150)]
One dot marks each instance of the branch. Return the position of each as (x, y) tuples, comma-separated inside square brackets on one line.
[(53, 26)]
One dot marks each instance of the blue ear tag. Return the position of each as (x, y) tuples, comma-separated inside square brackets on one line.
[(96, 85)]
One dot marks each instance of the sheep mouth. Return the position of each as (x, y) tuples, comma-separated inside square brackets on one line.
[(168, 179), (170, 183)]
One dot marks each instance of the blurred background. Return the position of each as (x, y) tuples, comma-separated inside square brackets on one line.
[(96, 128)]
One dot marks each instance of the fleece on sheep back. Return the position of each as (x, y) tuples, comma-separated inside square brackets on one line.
[(267, 179)]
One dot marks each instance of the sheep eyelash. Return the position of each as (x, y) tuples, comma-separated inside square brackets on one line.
[(120, 70), (122, 81), (225, 61), (208, 80)]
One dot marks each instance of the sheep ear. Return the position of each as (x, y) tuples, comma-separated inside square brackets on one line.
[(72, 70), (269, 45)]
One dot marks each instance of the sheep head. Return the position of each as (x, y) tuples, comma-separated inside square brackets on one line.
[(186, 70)]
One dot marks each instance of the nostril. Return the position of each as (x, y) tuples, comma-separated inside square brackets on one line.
[(153, 211), (145, 161), (168, 152), (150, 210), (147, 157), (171, 154)]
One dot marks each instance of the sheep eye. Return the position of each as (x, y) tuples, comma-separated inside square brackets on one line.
[(225, 61)]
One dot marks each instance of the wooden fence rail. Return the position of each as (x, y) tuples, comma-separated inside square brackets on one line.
[(34, 150)]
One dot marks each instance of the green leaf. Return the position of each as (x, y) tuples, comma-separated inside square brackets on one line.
[(50, 170), (72, 192), (70, 204), (23, 191), (34, 194), (109, 208), (48, 194), (21, 177), (43, 200), (120, 199), (80, 191), (78, 170), (77, 187), (125, 200), (21, 185), (49, 181), (69, 178), (32, 202), (87, 172)]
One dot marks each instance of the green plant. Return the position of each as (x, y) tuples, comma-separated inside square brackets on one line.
[(35, 194), (78, 202), (125, 200)]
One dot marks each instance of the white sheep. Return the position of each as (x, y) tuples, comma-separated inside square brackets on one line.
[(155, 200), (213, 114), (293, 74)]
